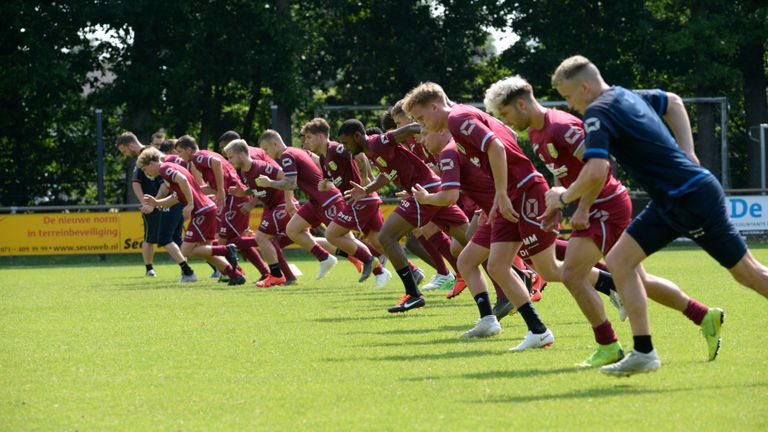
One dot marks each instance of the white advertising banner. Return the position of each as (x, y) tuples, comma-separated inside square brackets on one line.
[(749, 212)]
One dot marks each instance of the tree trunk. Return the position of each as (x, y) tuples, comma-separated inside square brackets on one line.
[(707, 144), (751, 64), (253, 106)]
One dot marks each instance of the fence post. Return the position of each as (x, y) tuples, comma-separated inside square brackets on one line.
[(14, 259), (100, 168)]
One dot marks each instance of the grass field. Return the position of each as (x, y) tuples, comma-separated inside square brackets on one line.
[(97, 346)]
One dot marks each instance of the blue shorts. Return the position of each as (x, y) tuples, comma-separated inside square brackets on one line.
[(700, 215), (171, 225)]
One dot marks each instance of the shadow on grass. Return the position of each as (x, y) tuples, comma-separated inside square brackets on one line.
[(396, 332), (452, 341), (417, 357), (603, 391)]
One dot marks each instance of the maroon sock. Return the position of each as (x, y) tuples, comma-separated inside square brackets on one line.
[(443, 244), (695, 311), (231, 272), (284, 267), (253, 257), (378, 270), (362, 254), (604, 334), (218, 250), (434, 253), (319, 253), (372, 249), (244, 242)]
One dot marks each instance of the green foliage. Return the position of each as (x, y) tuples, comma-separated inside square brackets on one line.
[(105, 348)]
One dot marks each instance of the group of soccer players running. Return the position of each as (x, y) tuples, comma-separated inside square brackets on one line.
[(471, 196)]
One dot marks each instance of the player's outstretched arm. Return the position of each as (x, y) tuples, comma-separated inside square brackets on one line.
[(407, 131), (286, 183), (676, 117), (358, 191), (591, 176)]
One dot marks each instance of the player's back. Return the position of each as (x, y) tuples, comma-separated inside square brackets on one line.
[(270, 197), (169, 171), (202, 159), (298, 163), (621, 122), (398, 163)]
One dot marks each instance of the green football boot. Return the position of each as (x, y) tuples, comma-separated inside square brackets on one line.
[(604, 355), (710, 328)]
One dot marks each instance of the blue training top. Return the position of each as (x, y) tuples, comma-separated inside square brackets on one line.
[(628, 125)]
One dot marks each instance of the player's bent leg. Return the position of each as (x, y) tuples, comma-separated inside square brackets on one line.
[(469, 262), (266, 247), (623, 261), (500, 258), (580, 257), (751, 273), (663, 291)]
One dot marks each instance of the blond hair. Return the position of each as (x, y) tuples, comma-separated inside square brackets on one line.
[(236, 146), (147, 156), (423, 94), (504, 92), (271, 135), (576, 67)]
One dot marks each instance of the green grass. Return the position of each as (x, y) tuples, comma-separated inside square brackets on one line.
[(86, 345)]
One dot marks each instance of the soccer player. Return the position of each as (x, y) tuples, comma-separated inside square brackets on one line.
[(159, 225), (198, 208), (301, 171), (364, 215), (220, 175), (518, 199), (431, 237), (686, 200), (558, 140), (274, 217), (400, 165)]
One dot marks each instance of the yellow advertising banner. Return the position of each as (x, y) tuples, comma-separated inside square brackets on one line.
[(89, 233), (81, 233)]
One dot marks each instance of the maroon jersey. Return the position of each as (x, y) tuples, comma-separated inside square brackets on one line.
[(169, 171), (172, 158), (257, 153), (421, 152), (557, 143), (339, 166), (270, 197), (298, 163), (399, 164), (459, 172), (202, 160), (473, 130)]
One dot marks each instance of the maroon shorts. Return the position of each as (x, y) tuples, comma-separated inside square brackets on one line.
[(202, 227), (529, 205), (232, 222), (607, 220), (316, 215), (274, 220), (419, 215), (363, 216)]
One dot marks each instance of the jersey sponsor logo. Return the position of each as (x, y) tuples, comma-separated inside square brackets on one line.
[(286, 162), (468, 126), (331, 212), (381, 162), (475, 161), (592, 124), (531, 239), (344, 217), (523, 253), (332, 165), (532, 208), (573, 135), (405, 204), (461, 149), (552, 150), (446, 164), (558, 172), (268, 169), (384, 139)]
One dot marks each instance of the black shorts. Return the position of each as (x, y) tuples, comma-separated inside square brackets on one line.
[(171, 225), (151, 226), (701, 215)]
